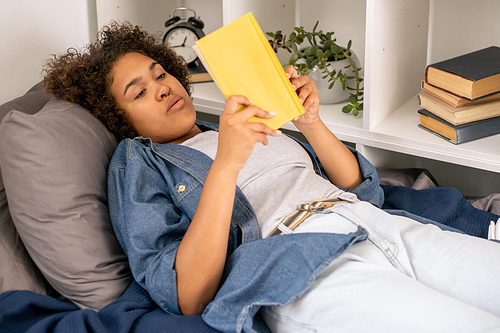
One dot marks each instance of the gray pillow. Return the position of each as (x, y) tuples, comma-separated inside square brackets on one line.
[(17, 270), (54, 165)]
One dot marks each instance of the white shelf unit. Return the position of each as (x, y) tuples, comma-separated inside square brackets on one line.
[(395, 40)]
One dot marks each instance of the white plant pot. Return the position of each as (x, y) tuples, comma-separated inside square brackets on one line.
[(336, 94)]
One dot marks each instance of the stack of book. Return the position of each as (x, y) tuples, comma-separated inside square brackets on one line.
[(460, 97)]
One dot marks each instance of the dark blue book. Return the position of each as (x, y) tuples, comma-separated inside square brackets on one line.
[(473, 75), (458, 133)]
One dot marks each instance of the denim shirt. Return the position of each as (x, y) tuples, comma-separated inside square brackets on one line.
[(153, 193)]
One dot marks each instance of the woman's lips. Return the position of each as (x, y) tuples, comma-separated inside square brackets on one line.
[(175, 103)]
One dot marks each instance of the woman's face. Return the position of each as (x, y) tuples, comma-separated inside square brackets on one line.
[(155, 103)]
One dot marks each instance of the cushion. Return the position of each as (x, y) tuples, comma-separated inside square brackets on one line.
[(31, 102), (54, 166), (17, 270)]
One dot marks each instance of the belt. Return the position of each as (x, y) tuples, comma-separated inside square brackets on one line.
[(293, 220)]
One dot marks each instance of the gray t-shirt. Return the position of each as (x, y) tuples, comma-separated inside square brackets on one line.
[(276, 178)]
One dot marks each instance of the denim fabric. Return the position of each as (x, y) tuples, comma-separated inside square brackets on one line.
[(407, 277), (442, 204), (153, 192)]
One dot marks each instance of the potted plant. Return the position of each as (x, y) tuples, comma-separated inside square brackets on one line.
[(320, 56)]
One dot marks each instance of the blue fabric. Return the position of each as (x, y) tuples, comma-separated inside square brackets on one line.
[(134, 311), (444, 205), (153, 192), (272, 271)]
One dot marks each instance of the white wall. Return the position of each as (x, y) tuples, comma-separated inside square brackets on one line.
[(32, 30), (152, 14), (461, 26)]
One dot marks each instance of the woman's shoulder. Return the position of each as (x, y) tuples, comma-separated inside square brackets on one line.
[(127, 149)]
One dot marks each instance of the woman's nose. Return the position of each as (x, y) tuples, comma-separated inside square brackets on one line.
[(164, 91)]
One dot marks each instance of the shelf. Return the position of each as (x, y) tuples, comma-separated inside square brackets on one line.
[(395, 42), (400, 132), (207, 98)]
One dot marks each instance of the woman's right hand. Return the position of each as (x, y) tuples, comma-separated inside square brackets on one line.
[(238, 136)]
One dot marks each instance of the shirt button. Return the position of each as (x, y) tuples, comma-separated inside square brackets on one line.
[(181, 188)]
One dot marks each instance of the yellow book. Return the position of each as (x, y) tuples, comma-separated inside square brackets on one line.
[(241, 62)]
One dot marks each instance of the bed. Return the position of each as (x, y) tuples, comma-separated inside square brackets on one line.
[(61, 268)]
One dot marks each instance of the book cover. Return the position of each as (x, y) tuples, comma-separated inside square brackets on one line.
[(459, 115), (472, 75), (241, 61), (454, 100), (458, 133)]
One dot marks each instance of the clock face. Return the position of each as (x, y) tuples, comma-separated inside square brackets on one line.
[(181, 40)]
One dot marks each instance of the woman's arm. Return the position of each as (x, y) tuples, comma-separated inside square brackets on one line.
[(340, 165), (202, 252)]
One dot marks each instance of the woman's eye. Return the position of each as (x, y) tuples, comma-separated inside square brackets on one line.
[(162, 75), (141, 93)]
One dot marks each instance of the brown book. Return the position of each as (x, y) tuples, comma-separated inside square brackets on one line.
[(460, 115), (198, 73), (473, 75), (454, 100)]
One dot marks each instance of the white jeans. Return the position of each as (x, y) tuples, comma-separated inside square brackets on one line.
[(407, 277)]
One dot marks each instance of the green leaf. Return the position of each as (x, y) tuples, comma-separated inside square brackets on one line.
[(353, 100), (313, 63), (355, 112), (336, 49), (314, 29), (270, 34), (327, 54), (319, 53), (331, 85), (307, 51), (349, 45), (327, 44), (346, 109), (294, 57), (314, 49)]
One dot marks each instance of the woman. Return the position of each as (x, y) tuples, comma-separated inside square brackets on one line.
[(191, 206)]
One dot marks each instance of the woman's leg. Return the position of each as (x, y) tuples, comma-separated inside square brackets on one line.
[(461, 266), (466, 268), (363, 291)]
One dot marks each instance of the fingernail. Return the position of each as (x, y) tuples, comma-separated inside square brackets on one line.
[(288, 75), (301, 101), (250, 101), (278, 132), (272, 113)]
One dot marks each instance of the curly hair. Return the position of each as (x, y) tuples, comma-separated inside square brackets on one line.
[(83, 77)]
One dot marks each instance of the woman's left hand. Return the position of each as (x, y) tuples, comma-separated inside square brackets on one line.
[(308, 95)]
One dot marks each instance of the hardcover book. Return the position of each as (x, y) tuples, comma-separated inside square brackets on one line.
[(473, 75), (458, 133), (198, 74), (241, 61), (461, 115), (454, 100)]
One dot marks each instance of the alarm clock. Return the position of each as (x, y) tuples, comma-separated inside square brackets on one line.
[(182, 33)]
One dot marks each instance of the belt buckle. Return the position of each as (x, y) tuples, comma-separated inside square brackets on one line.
[(318, 207)]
